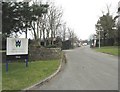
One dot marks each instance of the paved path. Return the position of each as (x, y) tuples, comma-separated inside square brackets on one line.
[(86, 70)]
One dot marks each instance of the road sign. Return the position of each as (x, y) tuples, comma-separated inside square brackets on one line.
[(17, 46), (17, 49)]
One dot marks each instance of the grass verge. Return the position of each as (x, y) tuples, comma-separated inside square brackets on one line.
[(2, 50), (113, 50), (19, 77)]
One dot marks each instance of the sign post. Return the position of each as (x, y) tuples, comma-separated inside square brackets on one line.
[(6, 66), (26, 61), (17, 49)]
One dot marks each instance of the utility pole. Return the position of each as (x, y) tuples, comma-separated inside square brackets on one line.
[(99, 38), (119, 13)]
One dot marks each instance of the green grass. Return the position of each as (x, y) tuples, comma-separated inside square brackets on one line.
[(113, 50), (19, 77), (2, 50)]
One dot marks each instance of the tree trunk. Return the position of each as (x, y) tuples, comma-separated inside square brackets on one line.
[(44, 36), (33, 27), (26, 33), (51, 36)]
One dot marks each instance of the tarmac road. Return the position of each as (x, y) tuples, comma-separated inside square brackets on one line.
[(86, 70)]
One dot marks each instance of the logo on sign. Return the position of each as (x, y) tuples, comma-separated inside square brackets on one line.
[(18, 43)]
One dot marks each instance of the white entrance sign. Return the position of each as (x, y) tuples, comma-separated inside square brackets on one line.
[(17, 46)]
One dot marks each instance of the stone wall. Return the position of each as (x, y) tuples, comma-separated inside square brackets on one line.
[(44, 53), (3, 54)]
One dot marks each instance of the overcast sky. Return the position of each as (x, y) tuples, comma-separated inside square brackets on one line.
[(82, 15)]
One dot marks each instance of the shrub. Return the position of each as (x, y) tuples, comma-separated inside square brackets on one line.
[(51, 46)]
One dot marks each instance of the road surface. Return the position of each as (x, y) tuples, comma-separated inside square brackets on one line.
[(86, 70)]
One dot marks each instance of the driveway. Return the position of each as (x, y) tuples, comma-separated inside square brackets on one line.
[(85, 70)]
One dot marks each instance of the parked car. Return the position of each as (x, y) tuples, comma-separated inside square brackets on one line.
[(84, 44)]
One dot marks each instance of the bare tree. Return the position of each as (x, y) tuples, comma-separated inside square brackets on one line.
[(54, 19), (37, 23), (64, 31)]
